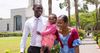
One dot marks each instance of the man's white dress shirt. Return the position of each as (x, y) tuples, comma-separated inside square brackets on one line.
[(31, 27)]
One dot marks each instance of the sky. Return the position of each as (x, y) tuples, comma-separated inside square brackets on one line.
[(7, 5)]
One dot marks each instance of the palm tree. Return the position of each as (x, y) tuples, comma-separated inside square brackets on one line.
[(76, 13), (95, 2), (68, 2), (50, 6)]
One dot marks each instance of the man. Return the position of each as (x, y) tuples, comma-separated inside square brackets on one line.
[(32, 25)]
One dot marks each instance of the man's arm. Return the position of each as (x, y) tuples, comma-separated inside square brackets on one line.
[(76, 49), (24, 38)]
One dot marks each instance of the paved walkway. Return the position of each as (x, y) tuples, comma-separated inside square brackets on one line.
[(89, 46)]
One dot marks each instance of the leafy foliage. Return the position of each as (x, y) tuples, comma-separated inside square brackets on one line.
[(81, 33), (8, 34), (62, 5), (87, 18), (73, 20), (55, 49), (92, 1)]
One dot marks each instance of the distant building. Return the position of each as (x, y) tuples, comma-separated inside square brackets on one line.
[(5, 25), (18, 18)]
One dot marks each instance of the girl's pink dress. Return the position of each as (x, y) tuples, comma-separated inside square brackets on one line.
[(48, 36)]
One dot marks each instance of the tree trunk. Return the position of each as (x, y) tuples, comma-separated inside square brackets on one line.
[(50, 6), (97, 17), (76, 14), (68, 1), (96, 11)]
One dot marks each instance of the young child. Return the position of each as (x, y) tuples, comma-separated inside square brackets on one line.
[(48, 36), (68, 37)]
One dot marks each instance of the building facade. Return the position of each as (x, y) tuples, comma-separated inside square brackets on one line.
[(18, 18)]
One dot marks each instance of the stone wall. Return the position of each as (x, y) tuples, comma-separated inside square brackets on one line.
[(21, 12), (3, 25)]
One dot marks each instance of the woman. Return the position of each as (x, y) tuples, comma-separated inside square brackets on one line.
[(67, 36)]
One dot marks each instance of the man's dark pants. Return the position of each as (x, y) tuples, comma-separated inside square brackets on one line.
[(33, 49)]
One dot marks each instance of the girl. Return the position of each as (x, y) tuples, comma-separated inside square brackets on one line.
[(67, 36), (48, 36)]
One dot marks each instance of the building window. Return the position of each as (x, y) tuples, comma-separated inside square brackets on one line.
[(7, 27), (18, 22)]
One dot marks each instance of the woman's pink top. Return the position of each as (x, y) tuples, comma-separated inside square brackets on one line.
[(48, 36)]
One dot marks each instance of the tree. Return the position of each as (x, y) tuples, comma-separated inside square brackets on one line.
[(87, 18), (95, 2), (76, 13), (50, 6), (68, 1)]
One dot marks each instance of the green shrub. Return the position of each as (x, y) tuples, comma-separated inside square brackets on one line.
[(95, 33), (8, 34), (81, 33), (99, 41), (96, 37), (55, 49), (99, 34), (81, 38)]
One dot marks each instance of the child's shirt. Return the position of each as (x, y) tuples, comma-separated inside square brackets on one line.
[(48, 36)]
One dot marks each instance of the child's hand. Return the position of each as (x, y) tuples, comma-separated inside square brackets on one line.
[(38, 33)]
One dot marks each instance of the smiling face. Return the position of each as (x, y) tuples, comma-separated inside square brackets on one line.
[(52, 19), (38, 9), (62, 22)]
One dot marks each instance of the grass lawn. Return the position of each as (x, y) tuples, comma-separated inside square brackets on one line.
[(11, 44)]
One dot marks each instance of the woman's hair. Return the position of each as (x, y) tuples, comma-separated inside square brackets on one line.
[(64, 17)]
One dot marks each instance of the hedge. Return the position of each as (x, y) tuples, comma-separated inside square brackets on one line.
[(96, 37), (9, 34)]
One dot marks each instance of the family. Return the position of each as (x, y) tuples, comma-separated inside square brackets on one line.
[(46, 31)]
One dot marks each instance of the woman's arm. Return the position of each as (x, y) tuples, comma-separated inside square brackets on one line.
[(76, 49), (76, 41)]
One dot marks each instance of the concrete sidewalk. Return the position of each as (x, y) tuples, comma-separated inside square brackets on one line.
[(89, 46)]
